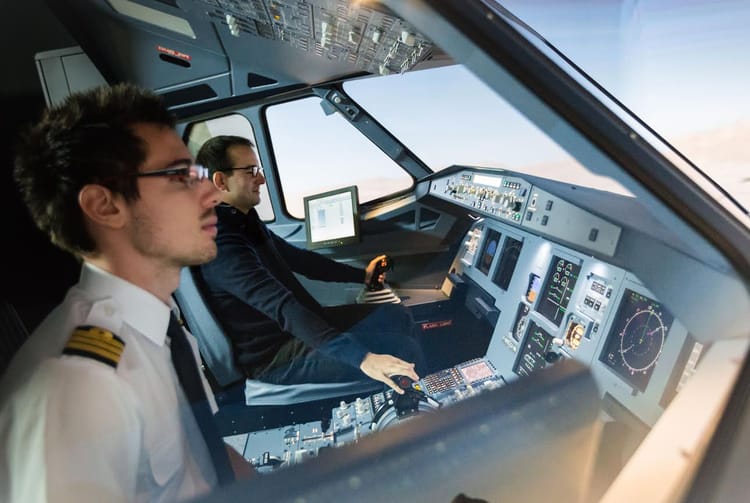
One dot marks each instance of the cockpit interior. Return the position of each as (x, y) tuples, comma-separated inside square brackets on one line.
[(579, 288)]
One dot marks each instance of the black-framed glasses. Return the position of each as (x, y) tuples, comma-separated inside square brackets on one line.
[(253, 170), (188, 173)]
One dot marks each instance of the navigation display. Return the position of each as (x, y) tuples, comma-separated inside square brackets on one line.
[(636, 338), (489, 248), (558, 287), (534, 349)]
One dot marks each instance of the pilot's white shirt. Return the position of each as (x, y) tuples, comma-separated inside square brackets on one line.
[(75, 429)]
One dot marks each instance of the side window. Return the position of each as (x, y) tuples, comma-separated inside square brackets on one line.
[(317, 152), (236, 125)]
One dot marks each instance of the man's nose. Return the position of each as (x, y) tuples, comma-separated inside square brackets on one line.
[(211, 195)]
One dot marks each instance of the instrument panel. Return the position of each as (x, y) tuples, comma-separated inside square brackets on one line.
[(503, 197), (560, 301), (271, 449), (508, 198), (551, 301)]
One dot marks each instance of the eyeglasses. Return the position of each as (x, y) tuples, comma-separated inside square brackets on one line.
[(188, 173), (253, 170)]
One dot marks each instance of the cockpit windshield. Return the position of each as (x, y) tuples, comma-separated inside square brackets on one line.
[(454, 118), (630, 55)]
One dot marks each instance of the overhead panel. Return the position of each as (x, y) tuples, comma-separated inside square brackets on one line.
[(194, 51), (355, 33)]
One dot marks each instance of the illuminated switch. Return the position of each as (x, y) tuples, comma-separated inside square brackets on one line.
[(354, 37), (407, 38), (234, 28)]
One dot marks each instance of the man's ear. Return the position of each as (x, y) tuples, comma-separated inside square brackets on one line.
[(101, 206), (220, 181)]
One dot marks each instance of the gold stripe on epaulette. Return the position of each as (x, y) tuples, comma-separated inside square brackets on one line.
[(97, 343)]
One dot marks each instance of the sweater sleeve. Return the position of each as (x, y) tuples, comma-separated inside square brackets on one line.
[(315, 266), (240, 271)]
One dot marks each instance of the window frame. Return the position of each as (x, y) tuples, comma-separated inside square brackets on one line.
[(365, 124)]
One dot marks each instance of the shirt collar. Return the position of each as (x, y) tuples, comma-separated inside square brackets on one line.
[(133, 305)]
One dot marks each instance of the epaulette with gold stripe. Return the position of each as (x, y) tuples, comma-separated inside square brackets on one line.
[(94, 342)]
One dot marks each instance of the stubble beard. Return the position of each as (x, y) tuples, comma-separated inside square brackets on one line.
[(146, 240)]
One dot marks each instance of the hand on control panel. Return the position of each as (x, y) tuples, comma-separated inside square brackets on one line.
[(408, 403), (375, 272), (381, 367), (403, 382)]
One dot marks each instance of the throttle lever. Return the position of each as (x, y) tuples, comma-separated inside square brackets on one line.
[(383, 265)]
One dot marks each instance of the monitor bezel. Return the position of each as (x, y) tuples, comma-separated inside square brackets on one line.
[(330, 243)]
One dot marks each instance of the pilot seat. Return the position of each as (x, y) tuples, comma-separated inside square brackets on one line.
[(216, 352)]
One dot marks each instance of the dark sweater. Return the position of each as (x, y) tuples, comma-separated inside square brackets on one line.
[(265, 311)]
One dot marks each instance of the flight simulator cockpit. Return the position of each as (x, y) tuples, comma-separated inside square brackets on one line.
[(574, 314)]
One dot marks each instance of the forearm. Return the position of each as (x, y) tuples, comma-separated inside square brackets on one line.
[(240, 272), (315, 266)]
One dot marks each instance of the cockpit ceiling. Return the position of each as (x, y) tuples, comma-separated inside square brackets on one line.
[(197, 51)]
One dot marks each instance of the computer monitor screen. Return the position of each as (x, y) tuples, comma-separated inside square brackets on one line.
[(558, 287), (489, 248), (332, 218), (533, 352)]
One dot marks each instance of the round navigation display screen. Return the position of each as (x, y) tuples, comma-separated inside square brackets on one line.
[(637, 338)]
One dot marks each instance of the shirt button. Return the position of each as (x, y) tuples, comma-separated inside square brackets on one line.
[(109, 310)]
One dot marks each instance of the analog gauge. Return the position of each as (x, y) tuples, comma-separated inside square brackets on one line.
[(574, 334)]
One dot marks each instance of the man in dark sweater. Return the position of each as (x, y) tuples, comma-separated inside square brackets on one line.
[(279, 332)]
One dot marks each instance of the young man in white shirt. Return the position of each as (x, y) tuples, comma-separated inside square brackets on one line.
[(94, 407)]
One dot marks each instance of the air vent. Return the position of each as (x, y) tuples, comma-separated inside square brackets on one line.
[(255, 80), (189, 95)]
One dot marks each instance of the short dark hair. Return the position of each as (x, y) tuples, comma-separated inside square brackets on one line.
[(214, 154), (86, 139)]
